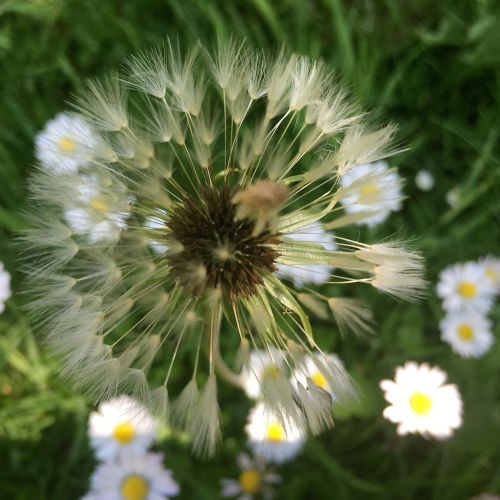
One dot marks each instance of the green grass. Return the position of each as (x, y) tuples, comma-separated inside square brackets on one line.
[(433, 68)]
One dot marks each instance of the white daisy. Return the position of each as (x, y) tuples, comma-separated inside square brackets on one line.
[(121, 427), (5, 291), (424, 180), (465, 286), (275, 439), (136, 477), (376, 189), (421, 402), (254, 480), (260, 365), (308, 369), (66, 143), (316, 273), (98, 210), (468, 333), (491, 269)]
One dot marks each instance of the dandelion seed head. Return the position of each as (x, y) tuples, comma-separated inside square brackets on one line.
[(207, 170)]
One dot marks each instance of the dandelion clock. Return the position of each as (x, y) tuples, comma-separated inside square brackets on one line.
[(204, 173)]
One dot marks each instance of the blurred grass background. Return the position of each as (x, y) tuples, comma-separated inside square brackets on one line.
[(433, 68)]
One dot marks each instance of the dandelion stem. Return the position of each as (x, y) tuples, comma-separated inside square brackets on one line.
[(215, 356)]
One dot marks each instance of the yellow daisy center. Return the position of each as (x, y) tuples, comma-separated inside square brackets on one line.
[(250, 481), (368, 193), (319, 379), (275, 432), (99, 205), (66, 145), (124, 432), (420, 403), (465, 332), (491, 274), (467, 289), (134, 487), (271, 371)]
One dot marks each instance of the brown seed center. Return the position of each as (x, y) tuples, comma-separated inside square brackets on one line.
[(219, 251)]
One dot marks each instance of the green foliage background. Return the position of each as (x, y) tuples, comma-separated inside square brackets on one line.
[(434, 68)]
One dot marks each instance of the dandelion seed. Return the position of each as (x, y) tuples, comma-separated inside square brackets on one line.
[(318, 273), (157, 223), (178, 233), (421, 402), (134, 477)]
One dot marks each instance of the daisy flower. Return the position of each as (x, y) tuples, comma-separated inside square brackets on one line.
[(66, 143), (424, 180), (491, 268), (135, 477), (223, 157), (121, 427), (421, 402), (99, 209), (271, 437), (254, 480), (261, 365), (468, 333), (318, 273), (5, 291), (374, 192), (465, 286), (309, 370)]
